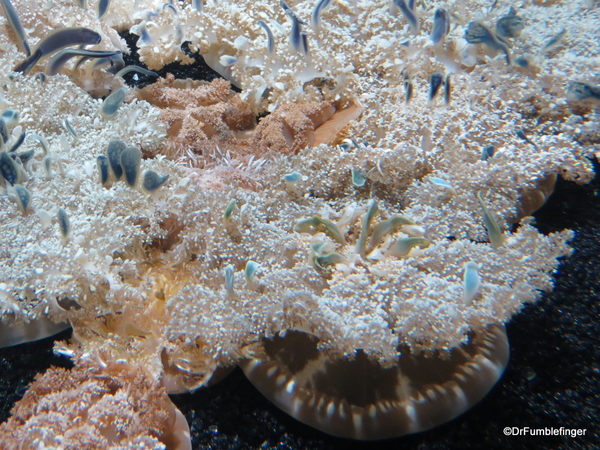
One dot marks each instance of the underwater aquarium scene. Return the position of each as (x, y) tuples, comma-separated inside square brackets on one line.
[(299, 224)]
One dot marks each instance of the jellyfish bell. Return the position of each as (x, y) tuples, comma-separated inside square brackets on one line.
[(360, 399)]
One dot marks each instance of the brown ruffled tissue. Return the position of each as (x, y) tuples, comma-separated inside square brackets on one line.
[(108, 406), (294, 126), (209, 119)]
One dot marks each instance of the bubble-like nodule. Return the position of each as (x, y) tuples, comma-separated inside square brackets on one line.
[(113, 152), (229, 280), (24, 156), (3, 130), (64, 224), (435, 82), (9, 169), (111, 104), (23, 198), (18, 142), (228, 211), (471, 282), (487, 152), (510, 26), (103, 168), (153, 181), (42, 141), (478, 33), (131, 158), (441, 25), (11, 117), (250, 271), (358, 179), (578, 91), (291, 179)]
